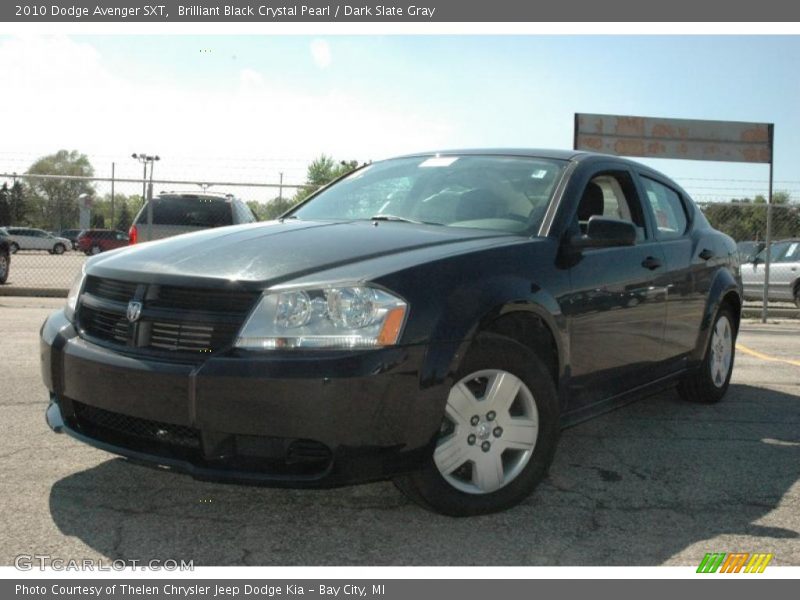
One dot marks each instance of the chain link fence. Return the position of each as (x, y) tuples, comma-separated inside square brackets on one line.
[(746, 222), (55, 222)]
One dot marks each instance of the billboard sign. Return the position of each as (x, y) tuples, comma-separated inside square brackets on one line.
[(688, 139)]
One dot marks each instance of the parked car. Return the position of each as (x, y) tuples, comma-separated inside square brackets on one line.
[(784, 273), (72, 236), (748, 249), (175, 213), (28, 238), (95, 241), (5, 255), (435, 318)]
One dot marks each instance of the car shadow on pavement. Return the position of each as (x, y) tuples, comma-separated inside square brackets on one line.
[(638, 486)]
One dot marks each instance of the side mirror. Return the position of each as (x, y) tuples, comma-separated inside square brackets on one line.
[(603, 232)]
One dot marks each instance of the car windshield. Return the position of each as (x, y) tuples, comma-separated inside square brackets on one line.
[(504, 193), (776, 253)]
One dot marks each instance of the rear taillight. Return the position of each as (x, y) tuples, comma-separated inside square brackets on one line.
[(133, 235)]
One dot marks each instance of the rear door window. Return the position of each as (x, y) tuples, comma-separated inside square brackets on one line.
[(668, 209), (191, 211)]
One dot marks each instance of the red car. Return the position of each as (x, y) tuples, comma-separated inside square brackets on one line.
[(95, 241)]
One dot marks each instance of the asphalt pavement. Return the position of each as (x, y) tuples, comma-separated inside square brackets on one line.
[(657, 482)]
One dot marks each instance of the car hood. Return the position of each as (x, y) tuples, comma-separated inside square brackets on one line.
[(276, 252)]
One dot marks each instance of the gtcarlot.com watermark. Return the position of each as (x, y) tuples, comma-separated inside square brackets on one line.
[(42, 562)]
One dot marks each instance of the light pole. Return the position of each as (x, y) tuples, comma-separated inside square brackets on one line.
[(147, 191), (145, 159)]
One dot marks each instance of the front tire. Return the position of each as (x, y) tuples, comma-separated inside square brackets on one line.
[(59, 249), (709, 383), (14, 247), (498, 435)]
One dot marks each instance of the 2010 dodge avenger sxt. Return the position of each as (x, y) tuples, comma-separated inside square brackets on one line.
[(433, 318)]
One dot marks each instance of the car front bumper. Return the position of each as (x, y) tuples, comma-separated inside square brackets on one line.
[(310, 419)]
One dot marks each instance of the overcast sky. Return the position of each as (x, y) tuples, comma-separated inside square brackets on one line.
[(248, 107)]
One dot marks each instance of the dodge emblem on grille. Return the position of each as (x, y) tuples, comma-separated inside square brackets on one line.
[(134, 311)]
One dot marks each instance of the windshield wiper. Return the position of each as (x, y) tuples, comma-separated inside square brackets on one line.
[(393, 218), (398, 219)]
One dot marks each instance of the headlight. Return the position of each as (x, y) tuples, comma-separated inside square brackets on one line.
[(324, 317), (72, 296)]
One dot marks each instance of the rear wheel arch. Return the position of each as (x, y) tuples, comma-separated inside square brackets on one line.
[(733, 301), (725, 290)]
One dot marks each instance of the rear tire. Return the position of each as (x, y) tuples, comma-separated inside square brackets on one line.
[(498, 436), (94, 250), (709, 383)]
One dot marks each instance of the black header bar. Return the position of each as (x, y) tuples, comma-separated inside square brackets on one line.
[(404, 11)]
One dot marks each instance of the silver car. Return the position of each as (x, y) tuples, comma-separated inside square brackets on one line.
[(784, 273), (28, 238), (174, 213)]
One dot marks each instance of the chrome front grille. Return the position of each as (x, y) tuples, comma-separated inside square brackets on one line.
[(179, 321)]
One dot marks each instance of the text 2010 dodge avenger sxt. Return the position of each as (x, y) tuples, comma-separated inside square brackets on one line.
[(433, 318)]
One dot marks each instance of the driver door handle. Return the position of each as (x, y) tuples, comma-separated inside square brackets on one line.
[(651, 263)]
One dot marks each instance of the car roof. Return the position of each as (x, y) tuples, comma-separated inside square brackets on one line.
[(527, 152), (546, 153), (215, 195)]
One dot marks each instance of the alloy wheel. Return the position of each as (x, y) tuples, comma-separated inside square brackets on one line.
[(489, 432), (721, 351)]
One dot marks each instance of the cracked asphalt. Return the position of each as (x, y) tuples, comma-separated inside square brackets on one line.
[(658, 482)]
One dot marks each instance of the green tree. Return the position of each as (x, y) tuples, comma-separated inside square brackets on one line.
[(19, 207), (5, 205), (57, 199), (746, 218), (123, 215), (321, 172)]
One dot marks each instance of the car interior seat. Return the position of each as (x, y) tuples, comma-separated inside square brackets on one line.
[(591, 204), (479, 204)]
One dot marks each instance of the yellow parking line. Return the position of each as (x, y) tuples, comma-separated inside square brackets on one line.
[(762, 356)]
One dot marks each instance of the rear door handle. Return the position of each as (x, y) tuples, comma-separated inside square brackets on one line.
[(706, 254), (651, 263)]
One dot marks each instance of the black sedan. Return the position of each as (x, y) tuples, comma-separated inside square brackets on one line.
[(434, 318)]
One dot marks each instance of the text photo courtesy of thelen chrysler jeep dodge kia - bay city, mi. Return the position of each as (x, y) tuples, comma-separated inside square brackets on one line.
[(434, 318)]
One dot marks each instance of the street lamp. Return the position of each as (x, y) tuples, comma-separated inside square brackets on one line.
[(145, 159)]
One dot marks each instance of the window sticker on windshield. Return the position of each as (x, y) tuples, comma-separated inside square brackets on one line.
[(439, 161), (539, 174)]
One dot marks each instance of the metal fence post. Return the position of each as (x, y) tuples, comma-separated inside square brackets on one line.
[(112, 196), (150, 211), (768, 240)]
